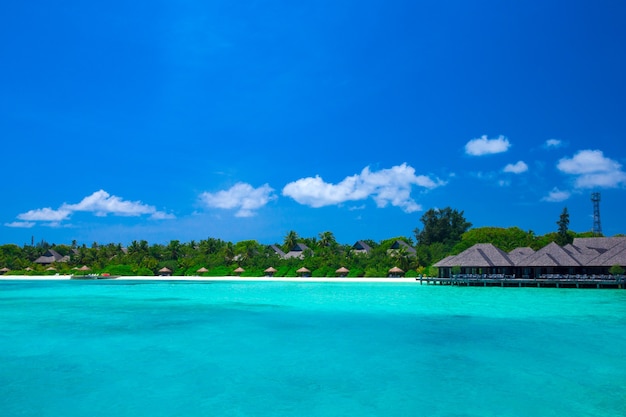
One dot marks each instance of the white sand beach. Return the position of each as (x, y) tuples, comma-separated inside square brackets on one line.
[(198, 278)]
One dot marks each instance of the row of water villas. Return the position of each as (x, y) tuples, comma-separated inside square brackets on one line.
[(586, 262)]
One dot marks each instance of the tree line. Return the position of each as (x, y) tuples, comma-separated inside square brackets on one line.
[(444, 232)]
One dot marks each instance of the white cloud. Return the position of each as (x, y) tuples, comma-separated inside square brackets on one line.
[(388, 186), (100, 203), (516, 168), (485, 146), (23, 225), (556, 196), (240, 196), (45, 215), (553, 143), (592, 169)]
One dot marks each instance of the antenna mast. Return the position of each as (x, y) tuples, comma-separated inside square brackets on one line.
[(597, 228)]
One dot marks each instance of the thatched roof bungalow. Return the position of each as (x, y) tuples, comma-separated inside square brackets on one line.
[(165, 272), (395, 272), (342, 272), (269, 272), (304, 272), (361, 247), (297, 251), (584, 256), (239, 270), (51, 256)]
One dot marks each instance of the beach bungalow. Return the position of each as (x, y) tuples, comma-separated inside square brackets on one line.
[(395, 272), (297, 251), (51, 256), (303, 272), (269, 272), (399, 245), (238, 271), (202, 270), (342, 272), (361, 248), (4, 270), (165, 272), (278, 251)]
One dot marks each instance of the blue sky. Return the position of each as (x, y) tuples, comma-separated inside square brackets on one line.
[(184, 120)]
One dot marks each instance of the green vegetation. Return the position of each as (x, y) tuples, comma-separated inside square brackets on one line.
[(444, 232)]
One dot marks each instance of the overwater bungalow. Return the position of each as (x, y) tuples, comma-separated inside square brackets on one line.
[(584, 257)]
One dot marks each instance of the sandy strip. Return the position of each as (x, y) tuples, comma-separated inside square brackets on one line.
[(195, 278)]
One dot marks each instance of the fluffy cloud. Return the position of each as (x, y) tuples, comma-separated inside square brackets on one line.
[(516, 168), (100, 203), (45, 215), (553, 143), (592, 169), (241, 196), (485, 146), (388, 186), (23, 225), (556, 196)]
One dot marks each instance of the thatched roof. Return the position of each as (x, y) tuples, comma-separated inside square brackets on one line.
[(84, 268), (51, 268), (239, 270), (5, 269), (616, 255), (297, 251), (518, 254), (303, 270), (50, 256), (270, 270), (447, 261), (600, 243), (481, 255), (396, 270), (165, 269), (202, 270), (342, 270), (362, 247), (398, 244), (550, 255)]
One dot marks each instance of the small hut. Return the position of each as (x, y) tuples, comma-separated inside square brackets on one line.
[(4, 270), (51, 268), (342, 272), (396, 272), (303, 272), (202, 270), (238, 271), (269, 272), (84, 268), (165, 272)]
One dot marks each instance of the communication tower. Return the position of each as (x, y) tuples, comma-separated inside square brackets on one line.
[(597, 228)]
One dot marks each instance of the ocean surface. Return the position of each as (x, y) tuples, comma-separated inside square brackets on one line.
[(162, 348)]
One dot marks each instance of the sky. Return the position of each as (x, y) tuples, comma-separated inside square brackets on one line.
[(184, 120)]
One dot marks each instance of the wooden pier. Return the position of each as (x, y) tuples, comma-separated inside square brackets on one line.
[(619, 283)]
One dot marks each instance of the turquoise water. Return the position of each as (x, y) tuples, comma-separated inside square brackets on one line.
[(127, 348)]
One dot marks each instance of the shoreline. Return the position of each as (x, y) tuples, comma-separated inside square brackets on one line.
[(197, 278)]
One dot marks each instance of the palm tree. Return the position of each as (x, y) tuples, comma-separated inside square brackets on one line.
[(290, 240), (327, 239)]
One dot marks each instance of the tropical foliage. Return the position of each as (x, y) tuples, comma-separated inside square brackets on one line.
[(444, 232)]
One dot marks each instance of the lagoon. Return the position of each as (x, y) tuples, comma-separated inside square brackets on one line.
[(258, 348)]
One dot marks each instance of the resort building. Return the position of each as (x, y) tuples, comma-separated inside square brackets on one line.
[(361, 247), (400, 245), (584, 257), (51, 256)]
